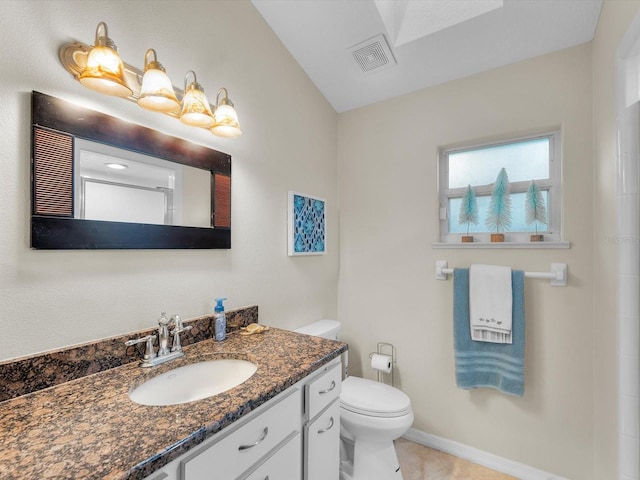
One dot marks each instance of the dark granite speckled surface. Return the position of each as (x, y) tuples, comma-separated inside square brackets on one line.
[(33, 373), (88, 428)]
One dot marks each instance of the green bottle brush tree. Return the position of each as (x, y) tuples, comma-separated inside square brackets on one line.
[(535, 209), (468, 212), (499, 214)]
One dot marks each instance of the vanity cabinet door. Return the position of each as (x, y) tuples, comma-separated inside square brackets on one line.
[(322, 445), (323, 390), (285, 464), (162, 476), (247, 445)]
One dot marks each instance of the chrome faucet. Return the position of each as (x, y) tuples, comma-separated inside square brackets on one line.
[(163, 335), (164, 354)]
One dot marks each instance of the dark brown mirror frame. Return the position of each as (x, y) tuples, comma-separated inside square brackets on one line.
[(55, 123)]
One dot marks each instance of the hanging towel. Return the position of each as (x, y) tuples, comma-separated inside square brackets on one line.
[(490, 303), (482, 364)]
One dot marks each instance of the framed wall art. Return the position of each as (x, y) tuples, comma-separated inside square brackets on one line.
[(307, 225)]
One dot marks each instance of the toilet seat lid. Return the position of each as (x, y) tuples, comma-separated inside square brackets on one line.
[(374, 399)]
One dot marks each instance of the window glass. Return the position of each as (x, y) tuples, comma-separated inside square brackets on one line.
[(523, 161)]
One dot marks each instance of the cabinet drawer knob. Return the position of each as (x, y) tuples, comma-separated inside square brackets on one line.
[(324, 430), (265, 432), (333, 385)]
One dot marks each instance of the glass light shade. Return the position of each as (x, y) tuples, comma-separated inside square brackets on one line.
[(226, 122), (104, 72), (157, 92), (195, 107)]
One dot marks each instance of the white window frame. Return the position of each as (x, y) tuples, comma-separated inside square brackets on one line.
[(553, 185)]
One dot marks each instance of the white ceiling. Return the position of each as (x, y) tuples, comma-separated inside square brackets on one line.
[(432, 41)]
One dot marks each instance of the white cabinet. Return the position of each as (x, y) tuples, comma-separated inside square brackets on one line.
[(267, 444), (322, 389), (284, 464), (248, 444), (162, 475), (322, 429), (322, 445)]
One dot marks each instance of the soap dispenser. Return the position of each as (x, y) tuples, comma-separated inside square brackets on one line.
[(220, 320)]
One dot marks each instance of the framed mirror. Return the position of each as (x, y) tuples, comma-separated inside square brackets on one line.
[(98, 182)]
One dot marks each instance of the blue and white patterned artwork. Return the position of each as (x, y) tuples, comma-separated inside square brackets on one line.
[(307, 225)]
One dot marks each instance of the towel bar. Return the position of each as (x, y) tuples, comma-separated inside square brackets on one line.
[(557, 275)]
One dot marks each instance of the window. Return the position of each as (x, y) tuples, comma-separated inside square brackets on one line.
[(525, 159)]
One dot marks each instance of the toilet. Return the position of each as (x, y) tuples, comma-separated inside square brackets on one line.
[(372, 416)]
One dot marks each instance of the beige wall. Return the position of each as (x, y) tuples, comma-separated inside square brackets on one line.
[(615, 18), (53, 299), (387, 187), (566, 423)]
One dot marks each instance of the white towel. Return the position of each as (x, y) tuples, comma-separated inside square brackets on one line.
[(490, 303)]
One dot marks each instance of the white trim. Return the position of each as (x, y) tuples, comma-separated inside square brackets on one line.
[(628, 196), (489, 460), (552, 185), (502, 245)]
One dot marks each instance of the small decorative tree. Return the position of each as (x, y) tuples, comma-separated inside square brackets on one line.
[(468, 212), (499, 214), (535, 209)]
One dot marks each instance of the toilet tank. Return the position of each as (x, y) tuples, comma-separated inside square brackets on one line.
[(322, 328)]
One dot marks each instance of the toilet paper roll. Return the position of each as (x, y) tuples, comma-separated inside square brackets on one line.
[(381, 362)]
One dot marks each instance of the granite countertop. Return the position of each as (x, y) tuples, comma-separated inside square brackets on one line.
[(89, 428)]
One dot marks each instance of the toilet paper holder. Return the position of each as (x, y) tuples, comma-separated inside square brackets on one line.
[(384, 348)]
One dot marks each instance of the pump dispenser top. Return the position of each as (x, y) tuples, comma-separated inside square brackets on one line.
[(219, 305), (220, 320)]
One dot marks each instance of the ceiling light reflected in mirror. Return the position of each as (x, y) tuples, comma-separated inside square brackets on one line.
[(116, 166)]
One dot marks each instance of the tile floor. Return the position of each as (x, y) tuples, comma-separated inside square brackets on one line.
[(418, 462)]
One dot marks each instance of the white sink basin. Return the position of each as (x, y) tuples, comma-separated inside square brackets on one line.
[(193, 382)]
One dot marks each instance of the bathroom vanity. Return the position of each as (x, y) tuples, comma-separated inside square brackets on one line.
[(283, 422), (297, 430)]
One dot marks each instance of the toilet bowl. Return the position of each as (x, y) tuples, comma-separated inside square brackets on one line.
[(372, 416)]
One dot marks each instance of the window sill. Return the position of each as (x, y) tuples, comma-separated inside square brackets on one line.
[(502, 245)]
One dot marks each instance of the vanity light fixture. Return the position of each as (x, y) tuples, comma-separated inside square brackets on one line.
[(100, 68), (195, 106), (104, 71), (156, 92), (225, 117)]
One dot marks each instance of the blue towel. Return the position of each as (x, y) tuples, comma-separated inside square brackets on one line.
[(481, 364)]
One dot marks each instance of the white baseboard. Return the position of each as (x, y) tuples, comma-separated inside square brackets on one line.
[(494, 462)]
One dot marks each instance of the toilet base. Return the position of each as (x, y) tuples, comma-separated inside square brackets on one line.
[(366, 460)]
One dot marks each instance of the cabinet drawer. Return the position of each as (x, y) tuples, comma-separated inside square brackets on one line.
[(285, 464), (321, 391), (235, 453), (322, 445)]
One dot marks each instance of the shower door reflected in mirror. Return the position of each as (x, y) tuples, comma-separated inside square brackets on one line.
[(117, 185)]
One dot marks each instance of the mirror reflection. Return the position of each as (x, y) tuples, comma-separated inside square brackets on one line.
[(117, 185), (98, 182)]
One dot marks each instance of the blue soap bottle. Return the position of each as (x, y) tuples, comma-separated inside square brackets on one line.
[(220, 320)]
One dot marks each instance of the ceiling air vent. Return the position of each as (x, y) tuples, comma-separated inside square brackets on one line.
[(373, 55)]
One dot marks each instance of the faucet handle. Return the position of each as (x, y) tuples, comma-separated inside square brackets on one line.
[(149, 353), (178, 326), (177, 321), (177, 330), (162, 321)]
